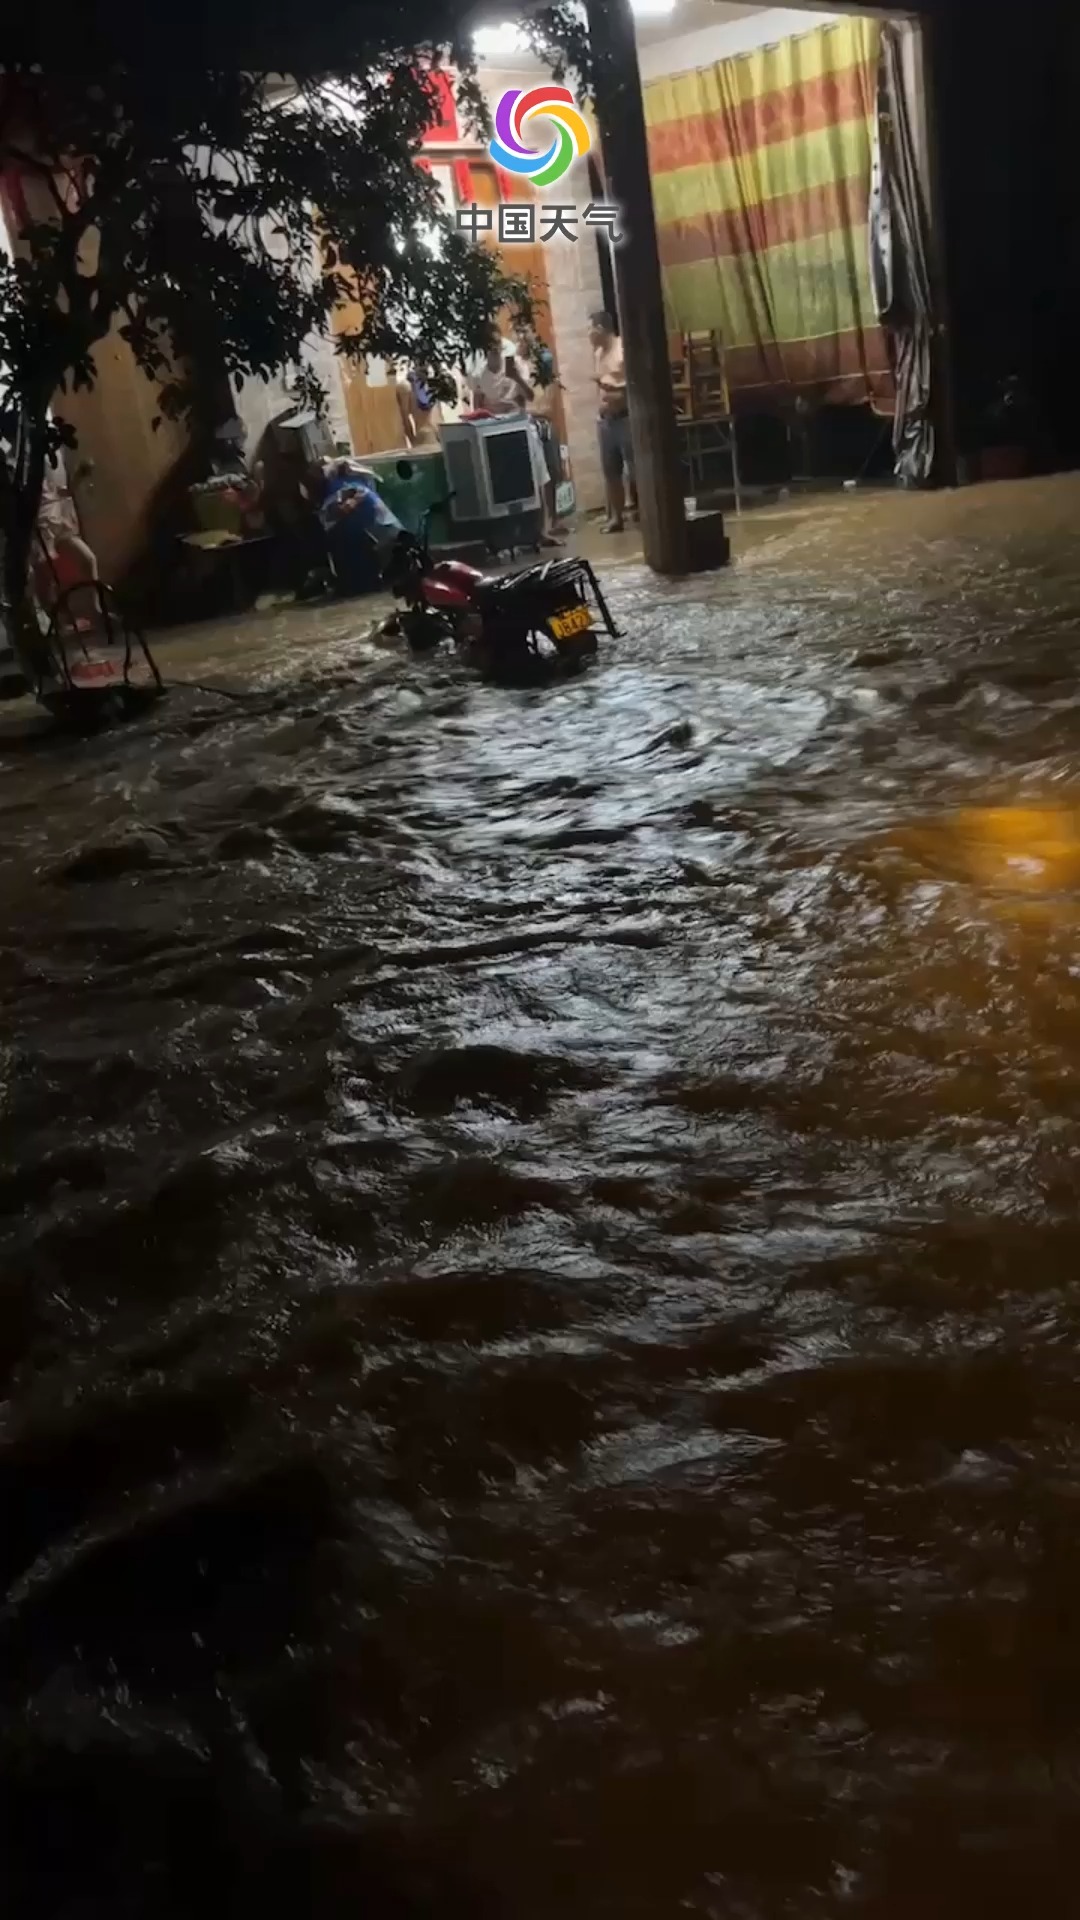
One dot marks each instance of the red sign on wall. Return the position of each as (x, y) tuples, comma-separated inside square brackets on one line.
[(445, 129), (445, 124)]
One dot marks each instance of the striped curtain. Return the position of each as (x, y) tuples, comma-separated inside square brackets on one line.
[(761, 171)]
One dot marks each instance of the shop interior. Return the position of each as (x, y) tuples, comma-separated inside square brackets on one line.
[(791, 183)]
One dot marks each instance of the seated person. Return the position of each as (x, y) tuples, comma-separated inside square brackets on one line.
[(359, 526)]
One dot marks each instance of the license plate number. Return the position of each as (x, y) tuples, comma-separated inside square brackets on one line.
[(563, 625)]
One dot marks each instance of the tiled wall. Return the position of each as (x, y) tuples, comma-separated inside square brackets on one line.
[(574, 280), (573, 270)]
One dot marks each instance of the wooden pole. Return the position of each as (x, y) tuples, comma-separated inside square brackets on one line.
[(620, 115)]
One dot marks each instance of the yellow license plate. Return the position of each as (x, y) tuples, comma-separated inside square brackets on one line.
[(564, 624)]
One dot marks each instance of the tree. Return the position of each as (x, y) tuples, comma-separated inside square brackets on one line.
[(220, 217)]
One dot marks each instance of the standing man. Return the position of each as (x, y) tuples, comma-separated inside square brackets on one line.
[(613, 419), (418, 409), (499, 386), (542, 411)]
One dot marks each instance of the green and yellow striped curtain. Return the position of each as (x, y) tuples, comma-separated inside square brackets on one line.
[(761, 180)]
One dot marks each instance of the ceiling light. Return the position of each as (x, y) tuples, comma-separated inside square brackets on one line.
[(651, 9)]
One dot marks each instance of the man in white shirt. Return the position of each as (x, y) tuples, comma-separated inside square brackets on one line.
[(501, 387), (613, 420)]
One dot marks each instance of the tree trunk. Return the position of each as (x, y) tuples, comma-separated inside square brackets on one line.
[(21, 484)]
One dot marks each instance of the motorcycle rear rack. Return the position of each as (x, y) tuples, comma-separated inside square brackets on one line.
[(610, 628), (570, 570)]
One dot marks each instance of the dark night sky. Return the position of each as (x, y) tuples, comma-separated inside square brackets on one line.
[(258, 33)]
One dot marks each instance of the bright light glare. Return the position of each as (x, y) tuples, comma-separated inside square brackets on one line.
[(430, 238), (504, 38)]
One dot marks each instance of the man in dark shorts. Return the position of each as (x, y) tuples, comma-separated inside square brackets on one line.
[(613, 420)]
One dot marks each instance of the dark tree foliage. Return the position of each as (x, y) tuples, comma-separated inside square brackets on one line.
[(323, 36), (221, 214)]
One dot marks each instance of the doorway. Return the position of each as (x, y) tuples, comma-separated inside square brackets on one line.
[(796, 223)]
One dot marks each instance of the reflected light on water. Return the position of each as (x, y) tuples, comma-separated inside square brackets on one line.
[(541, 1258), (1013, 848)]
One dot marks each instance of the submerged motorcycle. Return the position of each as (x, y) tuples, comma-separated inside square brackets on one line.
[(518, 628)]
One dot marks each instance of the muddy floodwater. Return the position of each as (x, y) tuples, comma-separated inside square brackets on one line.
[(541, 1259)]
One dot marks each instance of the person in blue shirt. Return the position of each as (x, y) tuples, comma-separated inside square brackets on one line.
[(360, 528)]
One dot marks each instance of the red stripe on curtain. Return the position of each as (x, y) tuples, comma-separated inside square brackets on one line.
[(808, 107), (792, 281), (843, 369), (772, 223)]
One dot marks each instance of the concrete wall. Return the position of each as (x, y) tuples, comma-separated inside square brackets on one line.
[(574, 283), (129, 457), (259, 402)]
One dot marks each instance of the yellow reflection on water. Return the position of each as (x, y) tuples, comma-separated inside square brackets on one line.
[(1022, 848), (1016, 849)]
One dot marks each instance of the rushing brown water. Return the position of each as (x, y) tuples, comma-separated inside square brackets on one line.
[(542, 1265)]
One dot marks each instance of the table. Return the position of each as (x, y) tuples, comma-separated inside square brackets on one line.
[(237, 562)]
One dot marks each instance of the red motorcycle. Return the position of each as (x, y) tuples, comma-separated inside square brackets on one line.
[(517, 628)]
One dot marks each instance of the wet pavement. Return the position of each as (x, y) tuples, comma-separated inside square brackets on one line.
[(541, 1257)]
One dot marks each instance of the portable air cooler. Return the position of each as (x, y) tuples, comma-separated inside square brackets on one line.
[(489, 468)]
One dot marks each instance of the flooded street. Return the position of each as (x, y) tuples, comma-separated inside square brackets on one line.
[(542, 1259)]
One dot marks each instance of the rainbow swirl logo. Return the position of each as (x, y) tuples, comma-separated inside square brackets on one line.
[(572, 138)]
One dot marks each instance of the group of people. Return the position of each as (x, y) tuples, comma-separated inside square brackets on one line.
[(62, 561), (502, 386)]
